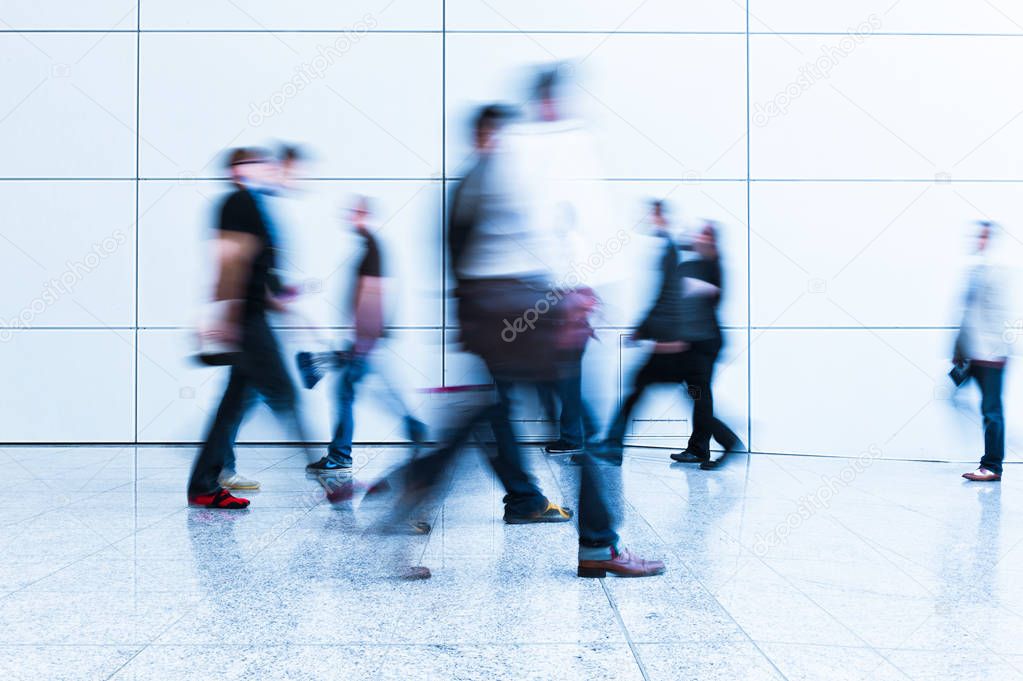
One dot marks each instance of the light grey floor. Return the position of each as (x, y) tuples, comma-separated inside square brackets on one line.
[(778, 567)]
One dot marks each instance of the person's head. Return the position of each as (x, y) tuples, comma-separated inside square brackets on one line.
[(359, 212), (547, 92), (705, 241), (659, 215), (249, 166), (985, 231), (289, 159), (487, 124)]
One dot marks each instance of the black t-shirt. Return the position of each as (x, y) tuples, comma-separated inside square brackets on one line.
[(240, 213), (370, 265)]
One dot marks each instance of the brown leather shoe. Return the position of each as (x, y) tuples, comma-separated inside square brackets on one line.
[(621, 564), (982, 475)]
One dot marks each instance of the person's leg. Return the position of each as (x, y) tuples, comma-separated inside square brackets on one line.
[(570, 391), (697, 368), (599, 510), (989, 378), (598, 516), (522, 494), (340, 449), (653, 371), (230, 467), (270, 378), (394, 394), (209, 462)]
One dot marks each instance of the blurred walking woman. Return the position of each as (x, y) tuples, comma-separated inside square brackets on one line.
[(982, 348)]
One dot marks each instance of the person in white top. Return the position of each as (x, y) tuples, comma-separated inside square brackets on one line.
[(983, 348)]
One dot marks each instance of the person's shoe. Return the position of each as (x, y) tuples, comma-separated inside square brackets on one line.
[(414, 573), (689, 456), (221, 499), (235, 481), (552, 514), (982, 475), (327, 465), (562, 447), (309, 369), (621, 564)]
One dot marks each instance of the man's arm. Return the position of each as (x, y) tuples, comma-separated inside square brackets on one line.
[(369, 312), (235, 253)]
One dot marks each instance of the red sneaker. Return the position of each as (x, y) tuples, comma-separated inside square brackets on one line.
[(219, 499)]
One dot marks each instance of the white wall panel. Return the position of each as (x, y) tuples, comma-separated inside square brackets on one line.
[(843, 391), (923, 16), (371, 107), (595, 15), (67, 14), (69, 386), (68, 250), (890, 107), (870, 254), (646, 96), (67, 108), (322, 15), (178, 397)]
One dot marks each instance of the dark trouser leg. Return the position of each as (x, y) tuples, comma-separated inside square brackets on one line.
[(570, 390), (220, 439), (597, 509), (268, 375), (653, 371), (340, 449), (989, 378), (545, 393), (523, 495), (698, 369)]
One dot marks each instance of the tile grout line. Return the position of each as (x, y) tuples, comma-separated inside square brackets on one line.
[(749, 260), (625, 630)]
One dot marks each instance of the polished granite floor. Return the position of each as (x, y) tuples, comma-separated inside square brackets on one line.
[(778, 568)]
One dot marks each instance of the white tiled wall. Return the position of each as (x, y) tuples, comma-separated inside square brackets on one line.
[(844, 147)]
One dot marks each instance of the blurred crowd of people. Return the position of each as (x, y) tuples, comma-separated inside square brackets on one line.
[(521, 225)]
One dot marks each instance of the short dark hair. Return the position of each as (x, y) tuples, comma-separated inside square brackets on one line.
[(492, 117), (548, 80), (242, 155), (292, 152)]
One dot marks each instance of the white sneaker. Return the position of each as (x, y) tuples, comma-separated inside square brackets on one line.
[(235, 481)]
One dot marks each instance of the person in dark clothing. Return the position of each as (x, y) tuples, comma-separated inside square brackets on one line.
[(245, 250), (683, 325), (367, 311)]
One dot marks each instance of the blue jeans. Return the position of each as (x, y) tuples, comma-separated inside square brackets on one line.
[(989, 378), (340, 449), (577, 423)]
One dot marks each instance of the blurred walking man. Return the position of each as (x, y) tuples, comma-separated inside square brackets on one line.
[(501, 278), (982, 348), (367, 307), (245, 250)]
